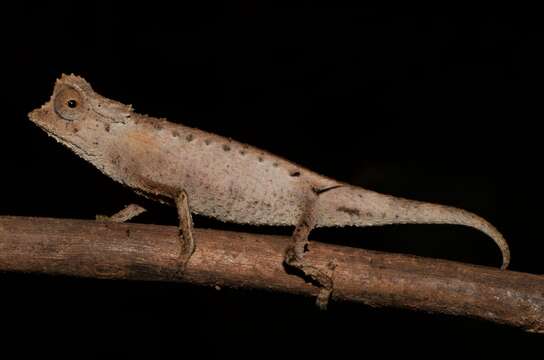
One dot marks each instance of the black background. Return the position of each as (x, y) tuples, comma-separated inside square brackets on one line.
[(442, 105)]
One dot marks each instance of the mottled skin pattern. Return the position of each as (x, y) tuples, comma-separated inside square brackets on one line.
[(222, 178)]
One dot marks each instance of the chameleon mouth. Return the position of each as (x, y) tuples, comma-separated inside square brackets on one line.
[(36, 117)]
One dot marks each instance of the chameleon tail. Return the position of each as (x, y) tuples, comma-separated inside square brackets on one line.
[(353, 206)]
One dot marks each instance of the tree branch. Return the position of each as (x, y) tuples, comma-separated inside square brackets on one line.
[(149, 252)]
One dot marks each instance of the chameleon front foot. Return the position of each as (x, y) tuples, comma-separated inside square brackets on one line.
[(129, 212), (186, 238)]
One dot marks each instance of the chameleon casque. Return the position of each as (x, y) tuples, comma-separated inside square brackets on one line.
[(207, 174)]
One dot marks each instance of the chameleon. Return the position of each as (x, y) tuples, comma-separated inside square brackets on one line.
[(202, 173)]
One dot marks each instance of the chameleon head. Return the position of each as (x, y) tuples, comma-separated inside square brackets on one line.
[(78, 117)]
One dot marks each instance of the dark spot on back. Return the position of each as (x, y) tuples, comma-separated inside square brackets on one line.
[(242, 152), (226, 147), (349, 211), (295, 173), (207, 142), (157, 125), (275, 164), (319, 191), (175, 133), (189, 137), (261, 159), (107, 127)]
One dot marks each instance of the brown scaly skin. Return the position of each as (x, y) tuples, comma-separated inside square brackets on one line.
[(222, 178)]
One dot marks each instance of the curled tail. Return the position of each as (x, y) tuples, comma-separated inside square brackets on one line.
[(353, 206)]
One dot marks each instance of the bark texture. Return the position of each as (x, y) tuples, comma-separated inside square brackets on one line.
[(150, 252)]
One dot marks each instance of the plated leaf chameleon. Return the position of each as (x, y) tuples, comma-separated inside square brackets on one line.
[(202, 173)]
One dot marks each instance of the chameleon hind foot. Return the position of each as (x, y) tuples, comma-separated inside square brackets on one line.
[(295, 258), (323, 279)]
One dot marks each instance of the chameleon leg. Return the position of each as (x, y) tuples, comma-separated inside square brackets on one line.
[(295, 257), (129, 212), (185, 229)]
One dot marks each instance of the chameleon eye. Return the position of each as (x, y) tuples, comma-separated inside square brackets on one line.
[(68, 103)]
